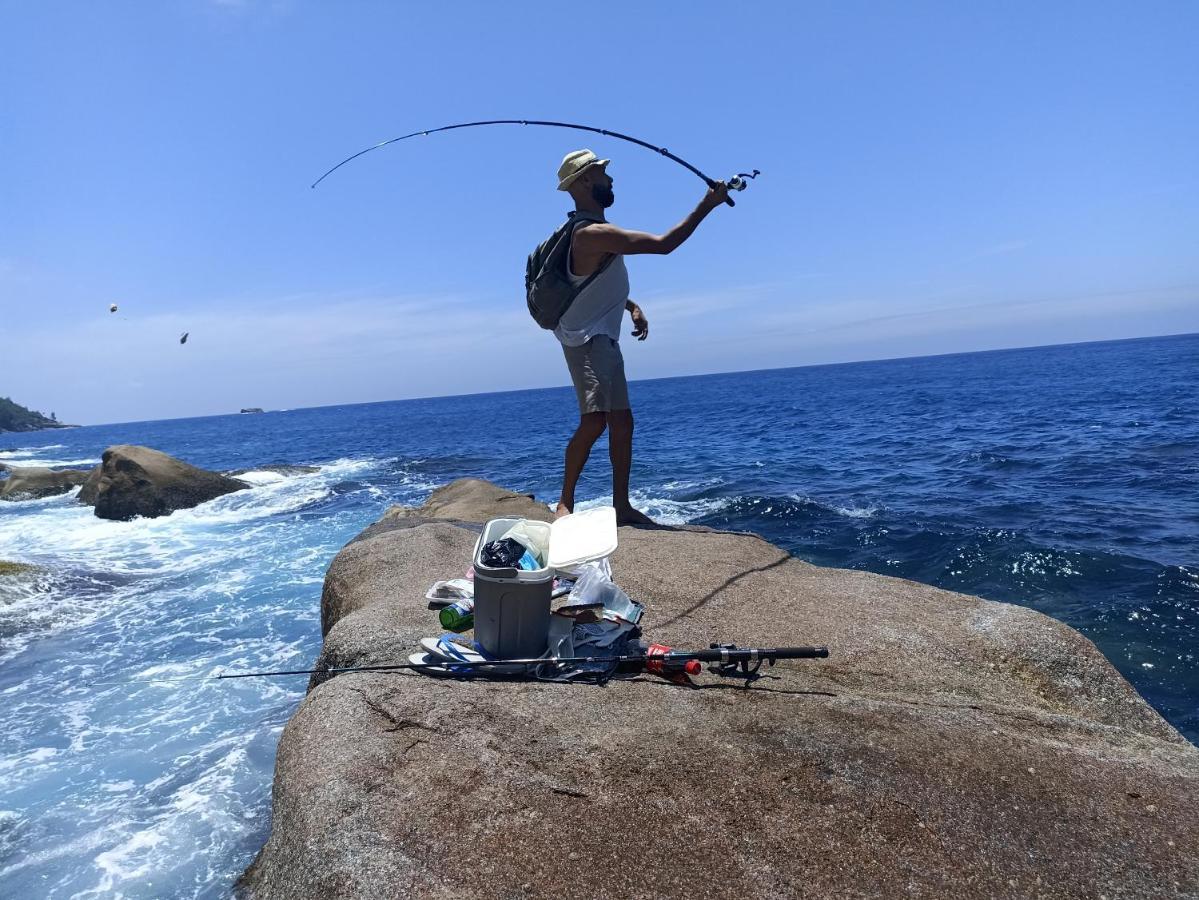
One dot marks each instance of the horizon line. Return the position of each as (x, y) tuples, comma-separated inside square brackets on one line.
[(849, 362)]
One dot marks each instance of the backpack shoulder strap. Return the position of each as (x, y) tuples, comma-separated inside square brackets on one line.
[(576, 221)]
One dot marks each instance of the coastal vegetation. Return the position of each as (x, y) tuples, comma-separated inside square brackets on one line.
[(14, 417)]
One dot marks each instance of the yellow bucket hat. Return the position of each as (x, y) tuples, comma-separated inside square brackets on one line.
[(573, 165)]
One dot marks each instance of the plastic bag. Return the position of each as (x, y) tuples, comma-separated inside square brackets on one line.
[(595, 584), (451, 590), (534, 537), (502, 554)]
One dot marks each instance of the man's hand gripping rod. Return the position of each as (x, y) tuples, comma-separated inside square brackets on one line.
[(736, 183)]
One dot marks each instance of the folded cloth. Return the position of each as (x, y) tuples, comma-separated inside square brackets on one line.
[(599, 635)]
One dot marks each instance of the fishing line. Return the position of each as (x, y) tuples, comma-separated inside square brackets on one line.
[(735, 183)]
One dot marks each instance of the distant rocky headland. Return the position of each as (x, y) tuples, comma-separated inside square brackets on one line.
[(15, 417)]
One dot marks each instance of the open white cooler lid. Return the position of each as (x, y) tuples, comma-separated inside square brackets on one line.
[(582, 537)]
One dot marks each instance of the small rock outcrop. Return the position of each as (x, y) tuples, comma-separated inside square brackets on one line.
[(138, 481), (949, 747), (16, 568), (463, 499), (35, 482)]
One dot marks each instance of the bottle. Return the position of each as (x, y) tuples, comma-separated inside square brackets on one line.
[(459, 616)]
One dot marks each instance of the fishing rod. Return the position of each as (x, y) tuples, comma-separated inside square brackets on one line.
[(736, 183), (726, 660)]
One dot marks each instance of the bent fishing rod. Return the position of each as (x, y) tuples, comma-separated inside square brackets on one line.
[(735, 183), (726, 660)]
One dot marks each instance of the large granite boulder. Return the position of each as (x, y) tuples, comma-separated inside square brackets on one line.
[(949, 747), (35, 482), (137, 481)]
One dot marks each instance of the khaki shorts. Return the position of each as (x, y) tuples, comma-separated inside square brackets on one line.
[(597, 370)]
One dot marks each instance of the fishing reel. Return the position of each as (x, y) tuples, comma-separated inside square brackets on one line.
[(742, 668), (738, 182)]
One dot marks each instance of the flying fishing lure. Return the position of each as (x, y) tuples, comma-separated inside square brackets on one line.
[(737, 183)]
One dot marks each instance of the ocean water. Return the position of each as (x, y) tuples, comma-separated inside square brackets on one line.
[(1065, 479)]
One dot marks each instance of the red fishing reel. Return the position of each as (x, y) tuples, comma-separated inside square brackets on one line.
[(658, 662)]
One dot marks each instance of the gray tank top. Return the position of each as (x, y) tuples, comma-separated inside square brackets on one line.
[(599, 309)]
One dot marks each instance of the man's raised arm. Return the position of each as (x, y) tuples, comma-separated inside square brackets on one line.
[(603, 237)]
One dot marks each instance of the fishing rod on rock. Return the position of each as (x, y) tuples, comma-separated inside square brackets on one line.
[(725, 660), (737, 182)]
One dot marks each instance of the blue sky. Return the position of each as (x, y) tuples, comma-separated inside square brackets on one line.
[(937, 177)]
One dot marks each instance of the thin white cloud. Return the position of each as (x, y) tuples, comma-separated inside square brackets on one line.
[(280, 354), (303, 350)]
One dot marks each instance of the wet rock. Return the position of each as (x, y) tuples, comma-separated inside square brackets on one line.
[(16, 568), (138, 481), (285, 470), (34, 482)]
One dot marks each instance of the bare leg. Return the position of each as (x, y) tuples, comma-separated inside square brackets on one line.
[(591, 426), (620, 448)]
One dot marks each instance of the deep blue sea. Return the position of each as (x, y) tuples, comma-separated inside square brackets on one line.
[(1064, 478)]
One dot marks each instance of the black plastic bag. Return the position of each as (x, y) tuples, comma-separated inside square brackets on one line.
[(503, 554)]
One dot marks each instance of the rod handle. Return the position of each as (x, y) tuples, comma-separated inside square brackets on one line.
[(712, 185)]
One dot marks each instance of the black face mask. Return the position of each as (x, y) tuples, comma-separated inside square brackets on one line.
[(602, 194)]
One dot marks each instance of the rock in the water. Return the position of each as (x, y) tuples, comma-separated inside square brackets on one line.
[(137, 481), (949, 747), (16, 568), (278, 470), (33, 482), (473, 500)]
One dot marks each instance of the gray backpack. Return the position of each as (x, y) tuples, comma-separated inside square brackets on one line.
[(548, 287)]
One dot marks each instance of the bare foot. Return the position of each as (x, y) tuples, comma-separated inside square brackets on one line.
[(561, 511), (627, 515)]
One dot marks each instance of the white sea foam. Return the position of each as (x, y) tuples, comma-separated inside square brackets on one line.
[(856, 512), (139, 767), (697, 484), (94, 566), (850, 512), (29, 451), (25, 762), (16, 461), (83, 844), (663, 510), (262, 477)]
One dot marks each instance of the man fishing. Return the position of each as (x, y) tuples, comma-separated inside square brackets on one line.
[(589, 330)]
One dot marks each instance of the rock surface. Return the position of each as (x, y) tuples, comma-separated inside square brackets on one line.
[(467, 498), (16, 568), (949, 747), (138, 481), (34, 482)]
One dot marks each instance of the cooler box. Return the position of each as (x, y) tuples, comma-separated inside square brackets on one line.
[(512, 606)]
